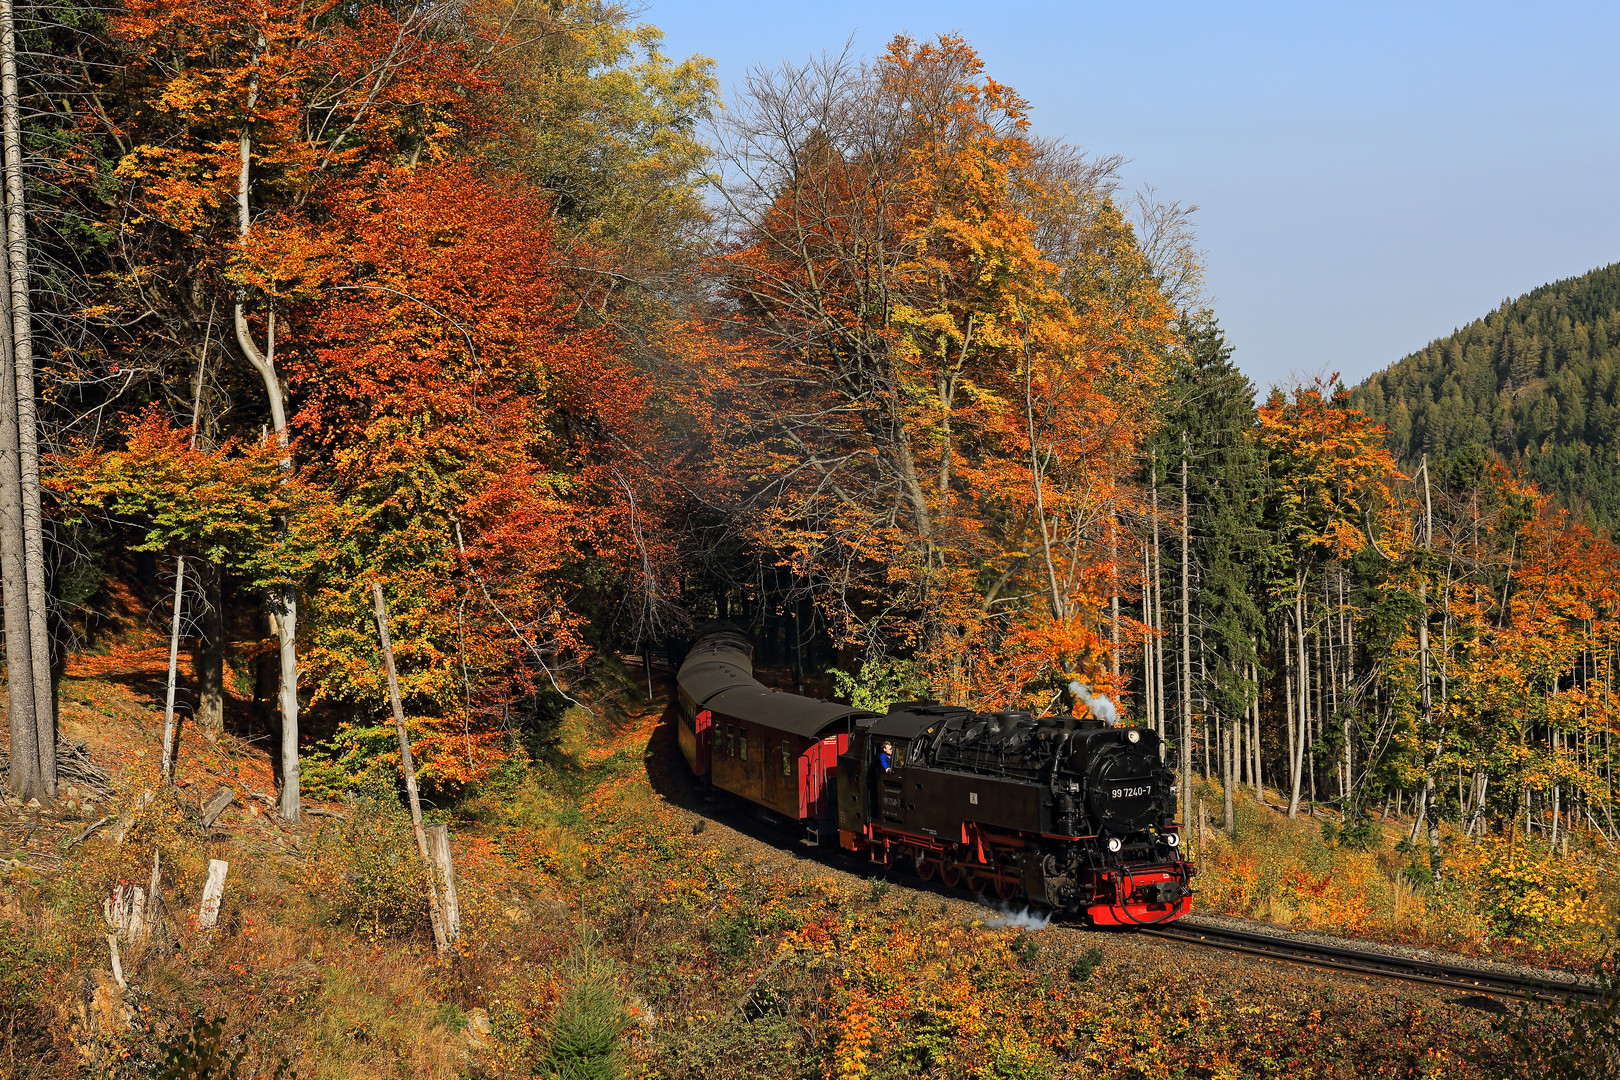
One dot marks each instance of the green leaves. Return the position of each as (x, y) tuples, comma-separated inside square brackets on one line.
[(237, 507)]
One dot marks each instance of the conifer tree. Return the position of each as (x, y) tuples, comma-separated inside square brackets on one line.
[(1211, 411)]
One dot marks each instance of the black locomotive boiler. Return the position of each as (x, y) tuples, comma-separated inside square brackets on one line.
[(1069, 813)]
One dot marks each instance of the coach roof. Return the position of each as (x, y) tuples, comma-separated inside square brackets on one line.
[(790, 713)]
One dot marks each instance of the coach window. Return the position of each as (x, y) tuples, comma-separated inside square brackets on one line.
[(787, 759), (742, 743), (731, 741)]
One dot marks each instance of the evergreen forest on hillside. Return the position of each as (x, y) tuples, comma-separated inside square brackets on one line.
[(1535, 380)]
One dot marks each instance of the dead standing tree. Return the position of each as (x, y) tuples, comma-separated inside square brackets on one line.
[(30, 689)]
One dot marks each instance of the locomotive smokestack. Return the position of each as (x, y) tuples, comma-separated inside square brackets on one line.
[(1101, 708)]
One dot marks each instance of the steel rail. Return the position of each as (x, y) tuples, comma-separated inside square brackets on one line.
[(1363, 962)]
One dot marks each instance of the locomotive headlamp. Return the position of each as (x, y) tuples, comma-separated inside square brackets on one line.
[(1134, 736), (1113, 843), (1172, 839)]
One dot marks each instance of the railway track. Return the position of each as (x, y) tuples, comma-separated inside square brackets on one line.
[(1409, 969)]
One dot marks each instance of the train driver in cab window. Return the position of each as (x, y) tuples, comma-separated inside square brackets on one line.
[(886, 756)]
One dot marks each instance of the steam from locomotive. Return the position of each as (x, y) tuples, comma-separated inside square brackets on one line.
[(1071, 813)]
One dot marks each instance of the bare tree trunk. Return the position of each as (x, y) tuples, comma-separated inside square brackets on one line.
[(1347, 645), (1434, 827), (1204, 709), (1254, 746), (1240, 757), (1158, 606), (439, 844), (1481, 783), (174, 664), (23, 777), (1160, 700), (284, 618), (210, 655), (1288, 705), (1421, 811), (407, 766), (1149, 701), (38, 604), (1302, 667), (1229, 779), (1320, 716), (1186, 634), (1428, 697)]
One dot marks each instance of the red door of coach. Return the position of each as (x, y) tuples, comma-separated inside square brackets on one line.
[(700, 726)]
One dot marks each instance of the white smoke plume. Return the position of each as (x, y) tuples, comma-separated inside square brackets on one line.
[(1101, 708)]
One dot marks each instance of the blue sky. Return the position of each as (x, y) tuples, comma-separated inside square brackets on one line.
[(1370, 176)]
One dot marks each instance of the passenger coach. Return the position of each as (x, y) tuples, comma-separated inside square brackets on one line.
[(775, 749)]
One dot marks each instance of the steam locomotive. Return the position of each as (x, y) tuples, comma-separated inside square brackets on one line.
[(1067, 813)]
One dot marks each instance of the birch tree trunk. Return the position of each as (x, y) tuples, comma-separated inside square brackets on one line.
[(174, 663), (284, 599), (33, 534), (1303, 696)]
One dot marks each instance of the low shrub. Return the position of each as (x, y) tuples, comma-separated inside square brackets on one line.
[(366, 872)]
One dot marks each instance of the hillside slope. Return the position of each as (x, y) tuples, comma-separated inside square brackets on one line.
[(1535, 380)]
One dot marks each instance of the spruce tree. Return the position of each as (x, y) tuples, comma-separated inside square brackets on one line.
[(1211, 403)]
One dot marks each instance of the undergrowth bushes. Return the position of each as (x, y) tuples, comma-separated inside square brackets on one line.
[(365, 872), (1495, 894)]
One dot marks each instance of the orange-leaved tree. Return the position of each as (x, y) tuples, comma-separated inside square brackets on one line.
[(203, 123), (945, 332), (482, 441)]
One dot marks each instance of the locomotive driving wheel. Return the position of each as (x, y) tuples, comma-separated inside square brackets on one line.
[(927, 868), (950, 874), (1006, 888)]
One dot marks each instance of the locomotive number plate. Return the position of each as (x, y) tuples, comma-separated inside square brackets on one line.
[(1132, 792)]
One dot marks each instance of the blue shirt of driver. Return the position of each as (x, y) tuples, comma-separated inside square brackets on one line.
[(884, 760)]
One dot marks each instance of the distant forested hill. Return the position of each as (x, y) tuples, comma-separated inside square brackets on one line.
[(1535, 380)]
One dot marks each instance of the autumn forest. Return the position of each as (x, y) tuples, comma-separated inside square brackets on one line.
[(495, 319)]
